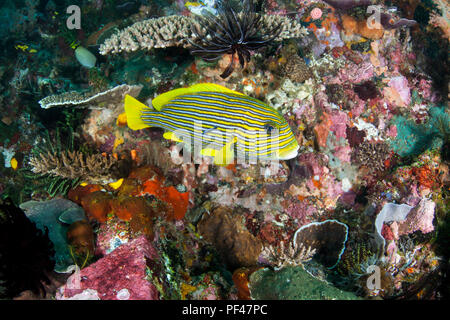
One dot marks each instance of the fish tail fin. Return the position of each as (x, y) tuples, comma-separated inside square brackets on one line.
[(134, 110)]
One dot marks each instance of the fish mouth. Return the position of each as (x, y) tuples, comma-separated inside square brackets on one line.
[(289, 154)]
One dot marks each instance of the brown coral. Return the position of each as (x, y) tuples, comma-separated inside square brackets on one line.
[(296, 69), (352, 26), (372, 155), (80, 236), (227, 233)]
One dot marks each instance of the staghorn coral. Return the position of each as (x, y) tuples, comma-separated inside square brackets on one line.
[(95, 168), (294, 254)]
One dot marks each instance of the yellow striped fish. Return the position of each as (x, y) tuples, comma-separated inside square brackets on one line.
[(219, 121)]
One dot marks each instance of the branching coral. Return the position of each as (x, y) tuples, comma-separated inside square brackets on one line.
[(295, 254), (95, 169), (25, 253), (148, 34)]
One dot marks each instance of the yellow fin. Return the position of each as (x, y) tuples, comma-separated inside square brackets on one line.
[(225, 155), (133, 110), (117, 184), (208, 152), (164, 98), (169, 135)]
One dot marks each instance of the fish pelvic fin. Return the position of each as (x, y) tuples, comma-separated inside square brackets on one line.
[(133, 110), (223, 156), (169, 135)]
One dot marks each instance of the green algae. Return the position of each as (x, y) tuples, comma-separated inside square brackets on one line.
[(413, 139), (293, 283)]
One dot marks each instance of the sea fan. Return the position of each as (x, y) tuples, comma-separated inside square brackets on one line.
[(231, 32)]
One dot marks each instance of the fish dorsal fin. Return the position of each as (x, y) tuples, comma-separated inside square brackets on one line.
[(133, 110), (164, 98)]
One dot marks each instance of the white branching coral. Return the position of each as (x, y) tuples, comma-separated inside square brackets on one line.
[(294, 254), (152, 33)]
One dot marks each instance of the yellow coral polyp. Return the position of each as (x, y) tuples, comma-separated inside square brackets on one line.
[(122, 120), (14, 164), (118, 142)]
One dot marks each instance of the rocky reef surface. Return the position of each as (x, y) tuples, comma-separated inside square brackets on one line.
[(103, 212)]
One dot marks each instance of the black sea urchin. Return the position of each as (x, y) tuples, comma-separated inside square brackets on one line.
[(231, 32)]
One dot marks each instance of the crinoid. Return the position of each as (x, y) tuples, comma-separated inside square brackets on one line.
[(230, 32)]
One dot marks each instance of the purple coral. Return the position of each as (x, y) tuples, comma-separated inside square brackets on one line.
[(388, 22), (348, 4)]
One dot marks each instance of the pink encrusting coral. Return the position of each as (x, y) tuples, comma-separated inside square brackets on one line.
[(124, 268), (419, 218)]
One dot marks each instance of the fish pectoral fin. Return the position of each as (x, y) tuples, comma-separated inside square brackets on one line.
[(133, 110), (169, 135)]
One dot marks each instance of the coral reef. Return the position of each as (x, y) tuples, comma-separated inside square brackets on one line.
[(364, 197), (45, 214), (326, 238)]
